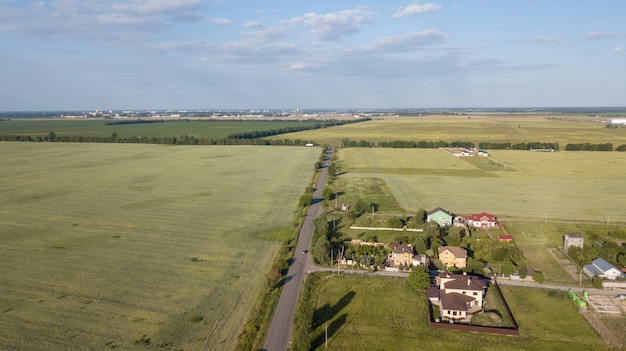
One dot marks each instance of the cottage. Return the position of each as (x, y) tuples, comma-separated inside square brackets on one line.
[(458, 296), (572, 239), (440, 216), (453, 256), (506, 238), (481, 220), (402, 254), (603, 269)]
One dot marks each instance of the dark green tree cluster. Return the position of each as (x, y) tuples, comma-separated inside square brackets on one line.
[(609, 250), (293, 129), (536, 146), (367, 255), (589, 147), (180, 140), (419, 278), (621, 147), (133, 121)]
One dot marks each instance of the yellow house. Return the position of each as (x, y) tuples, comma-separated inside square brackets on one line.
[(453, 256)]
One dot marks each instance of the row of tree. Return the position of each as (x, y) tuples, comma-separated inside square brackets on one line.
[(179, 140), (423, 144), (591, 147), (293, 129)]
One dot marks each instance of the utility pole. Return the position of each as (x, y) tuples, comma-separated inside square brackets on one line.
[(326, 336)]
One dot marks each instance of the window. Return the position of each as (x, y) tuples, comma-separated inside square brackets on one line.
[(475, 293), (464, 292)]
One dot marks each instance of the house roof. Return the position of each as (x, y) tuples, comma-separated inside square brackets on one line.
[(463, 282), (483, 216), (573, 235), (439, 209), (399, 248), (433, 292), (602, 265), (505, 237), (458, 252), (455, 301)]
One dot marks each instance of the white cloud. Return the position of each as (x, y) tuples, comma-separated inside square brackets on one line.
[(416, 9), (546, 39), (333, 26), (602, 35), (619, 49), (221, 21), (409, 41)]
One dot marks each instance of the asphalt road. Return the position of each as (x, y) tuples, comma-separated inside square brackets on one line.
[(279, 334)]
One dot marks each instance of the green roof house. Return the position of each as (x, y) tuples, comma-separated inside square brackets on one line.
[(442, 217)]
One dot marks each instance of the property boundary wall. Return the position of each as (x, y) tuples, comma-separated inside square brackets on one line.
[(512, 331)]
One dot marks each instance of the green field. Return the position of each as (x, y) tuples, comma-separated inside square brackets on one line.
[(513, 129), (558, 185), (381, 313), (109, 246), (200, 129)]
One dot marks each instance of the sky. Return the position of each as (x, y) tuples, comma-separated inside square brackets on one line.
[(322, 54)]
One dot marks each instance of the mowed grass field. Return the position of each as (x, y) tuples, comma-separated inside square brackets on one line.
[(382, 313), (120, 246), (514, 129), (200, 129), (559, 185)]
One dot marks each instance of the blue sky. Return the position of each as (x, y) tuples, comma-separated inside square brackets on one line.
[(201, 54)]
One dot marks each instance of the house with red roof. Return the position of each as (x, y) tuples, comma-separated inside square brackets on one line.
[(482, 220)]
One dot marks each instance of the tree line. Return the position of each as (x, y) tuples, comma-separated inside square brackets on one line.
[(271, 132), (537, 145), (175, 140)]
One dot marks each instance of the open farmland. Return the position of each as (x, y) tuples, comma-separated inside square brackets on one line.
[(209, 129), (381, 313), (513, 129), (558, 185), (123, 246)]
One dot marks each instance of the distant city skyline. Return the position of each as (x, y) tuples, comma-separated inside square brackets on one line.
[(200, 54)]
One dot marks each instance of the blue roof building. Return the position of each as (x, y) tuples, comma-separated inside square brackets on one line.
[(601, 268)]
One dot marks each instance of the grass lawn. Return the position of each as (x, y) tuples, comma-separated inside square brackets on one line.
[(561, 185), (123, 245), (514, 129), (381, 313)]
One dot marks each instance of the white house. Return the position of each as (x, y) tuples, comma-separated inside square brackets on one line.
[(602, 269)]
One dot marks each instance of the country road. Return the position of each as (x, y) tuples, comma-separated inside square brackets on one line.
[(279, 333)]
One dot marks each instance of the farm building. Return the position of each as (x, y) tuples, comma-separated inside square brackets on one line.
[(621, 121), (603, 269), (506, 238), (481, 220), (572, 239)]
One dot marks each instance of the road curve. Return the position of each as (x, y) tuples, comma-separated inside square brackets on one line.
[(279, 333)]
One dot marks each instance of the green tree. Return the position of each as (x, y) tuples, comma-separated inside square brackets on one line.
[(305, 200), (419, 278), (420, 245), (321, 251), (597, 282), (327, 193), (538, 277), (454, 236)]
